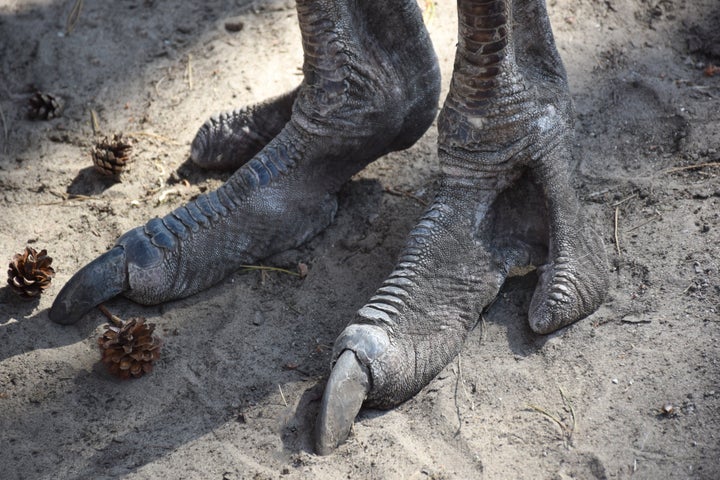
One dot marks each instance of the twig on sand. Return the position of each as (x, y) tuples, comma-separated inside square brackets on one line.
[(111, 318)]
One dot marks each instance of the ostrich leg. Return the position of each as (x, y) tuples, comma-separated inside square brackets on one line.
[(504, 200), (371, 86)]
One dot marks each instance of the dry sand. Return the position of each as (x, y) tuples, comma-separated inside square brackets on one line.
[(236, 391)]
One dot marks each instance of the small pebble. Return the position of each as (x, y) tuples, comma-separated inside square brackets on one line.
[(615, 381)]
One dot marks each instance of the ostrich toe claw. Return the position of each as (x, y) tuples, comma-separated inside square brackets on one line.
[(100, 280), (346, 389)]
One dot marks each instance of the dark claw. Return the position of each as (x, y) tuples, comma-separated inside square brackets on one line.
[(100, 280), (346, 389)]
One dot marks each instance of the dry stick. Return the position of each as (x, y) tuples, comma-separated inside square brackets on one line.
[(112, 318)]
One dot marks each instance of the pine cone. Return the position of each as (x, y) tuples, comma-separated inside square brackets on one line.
[(30, 272), (111, 156), (129, 348), (44, 106)]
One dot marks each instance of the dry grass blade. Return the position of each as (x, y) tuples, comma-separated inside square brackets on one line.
[(428, 11), (626, 199), (483, 326), (571, 409), (5, 129), (617, 237), (263, 268), (189, 72), (94, 122), (689, 167), (73, 17), (401, 193), (550, 416), (152, 135), (566, 430), (282, 395)]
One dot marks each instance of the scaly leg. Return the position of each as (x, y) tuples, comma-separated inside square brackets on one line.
[(371, 85), (504, 200)]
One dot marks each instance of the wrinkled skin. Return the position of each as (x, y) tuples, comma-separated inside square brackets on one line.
[(371, 86)]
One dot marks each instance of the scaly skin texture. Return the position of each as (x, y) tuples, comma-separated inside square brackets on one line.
[(371, 85), (504, 201), (228, 140)]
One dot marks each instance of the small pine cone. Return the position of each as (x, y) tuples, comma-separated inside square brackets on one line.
[(30, 272), (44, 106), (111, 156), (129, 347)]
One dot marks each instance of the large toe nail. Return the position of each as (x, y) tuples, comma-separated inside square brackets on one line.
[(346, 389), (100, 280)]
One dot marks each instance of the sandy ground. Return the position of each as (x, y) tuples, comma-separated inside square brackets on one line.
[(236, 391)]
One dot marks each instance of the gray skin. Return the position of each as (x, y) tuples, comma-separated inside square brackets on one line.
[(371, 85)]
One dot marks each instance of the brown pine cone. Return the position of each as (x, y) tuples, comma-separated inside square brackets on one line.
[(111, 156), (43, 106), (129, 347), (30, 272)]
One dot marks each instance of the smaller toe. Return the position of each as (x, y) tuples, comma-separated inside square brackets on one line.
[(572, 286)]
